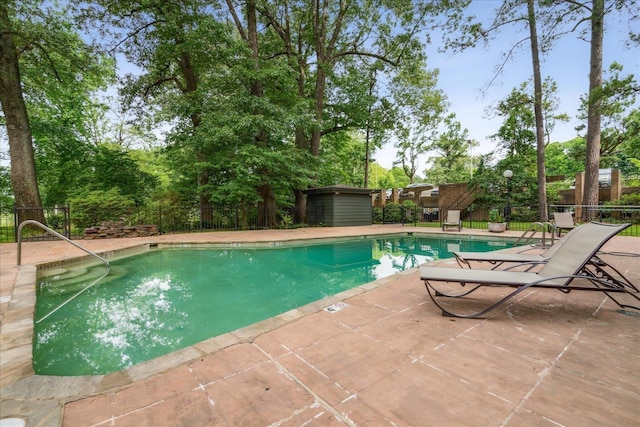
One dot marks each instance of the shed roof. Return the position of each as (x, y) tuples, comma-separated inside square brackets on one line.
[(339, 189)]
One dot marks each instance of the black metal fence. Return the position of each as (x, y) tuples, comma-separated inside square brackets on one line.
[(521, 217), (167, 219), (183, 219)]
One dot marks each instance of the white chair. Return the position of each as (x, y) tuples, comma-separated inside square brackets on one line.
[(563, 221), (452, 220)]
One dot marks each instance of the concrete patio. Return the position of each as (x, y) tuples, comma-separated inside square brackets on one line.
[(388, 359)]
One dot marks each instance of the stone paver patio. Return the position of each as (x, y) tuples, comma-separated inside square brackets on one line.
[(388, 359)]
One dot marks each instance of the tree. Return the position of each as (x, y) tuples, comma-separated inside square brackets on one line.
[(594, 13), (618, 94), (452, 162), (171, 43), (335, 35), (341, 158), (631, 145), (565, 158), (592, 155), (419, 108), (23, 172), (59, 75), (514, 12), (517, 134), (538, 110)]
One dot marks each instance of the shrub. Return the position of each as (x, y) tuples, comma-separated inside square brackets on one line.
[(377, 215), (392, 213), (495, 215), (90, 208)]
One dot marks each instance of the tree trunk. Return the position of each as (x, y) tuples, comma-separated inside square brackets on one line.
[(300, 216), (23, 170), (592, 158), (316, 132), (267, 214), (537, 108), (191, 86)]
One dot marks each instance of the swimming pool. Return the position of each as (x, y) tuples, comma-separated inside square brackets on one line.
[(166, 299)]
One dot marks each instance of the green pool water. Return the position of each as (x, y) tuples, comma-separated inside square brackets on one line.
[(166, 299)]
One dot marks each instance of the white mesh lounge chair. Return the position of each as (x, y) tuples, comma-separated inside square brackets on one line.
[(500, 258), (561, 271), (563, 221), (452, 220), (508, 261)]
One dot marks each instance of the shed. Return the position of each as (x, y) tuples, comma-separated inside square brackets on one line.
[(339, 206)]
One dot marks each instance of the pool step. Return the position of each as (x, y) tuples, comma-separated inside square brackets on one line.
[(75, 279)]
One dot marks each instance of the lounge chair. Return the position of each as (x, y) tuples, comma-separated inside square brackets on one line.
[(563, 221), (452, 220), (571, 261), (527, 261), (499, 258)]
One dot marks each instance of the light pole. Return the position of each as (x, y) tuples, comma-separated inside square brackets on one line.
[(507, 210)]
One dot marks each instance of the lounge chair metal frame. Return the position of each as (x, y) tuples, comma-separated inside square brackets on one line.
[(591, 269), (596, 266)]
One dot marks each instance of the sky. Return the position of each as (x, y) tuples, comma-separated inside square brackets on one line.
[(464, 76)]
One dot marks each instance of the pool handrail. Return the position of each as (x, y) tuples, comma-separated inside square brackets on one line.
[(55, 233), (534, 227)]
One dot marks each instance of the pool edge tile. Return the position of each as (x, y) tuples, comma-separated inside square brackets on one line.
[(162, 363)]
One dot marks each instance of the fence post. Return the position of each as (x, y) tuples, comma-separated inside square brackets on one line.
[(67, 221), (15, 223)]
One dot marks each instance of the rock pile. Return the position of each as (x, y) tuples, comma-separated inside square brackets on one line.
[(115, 231)]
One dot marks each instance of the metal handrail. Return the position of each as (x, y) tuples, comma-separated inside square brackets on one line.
[(55, 233), (534, 228)]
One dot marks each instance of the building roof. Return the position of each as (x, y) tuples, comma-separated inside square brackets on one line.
[(338, 189)]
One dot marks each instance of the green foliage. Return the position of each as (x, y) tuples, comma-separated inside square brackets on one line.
[(452, 164), (393, 212), (377, 215), (565, 158), (495, 215), (626, 200), (55, 221), (286, 220), (494, 189), (6, 193), (553, 191), (410, 211), (379, 177), (517, 134), (618, 96), (238, 123), (419, 109), (89, 208), (60, 76), (113, 167), (342, 159)]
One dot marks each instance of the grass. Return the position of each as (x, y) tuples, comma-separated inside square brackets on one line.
[(633, 230)]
